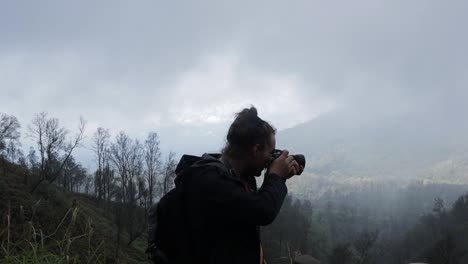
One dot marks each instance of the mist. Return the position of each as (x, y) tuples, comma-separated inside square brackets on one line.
[(373, 93)]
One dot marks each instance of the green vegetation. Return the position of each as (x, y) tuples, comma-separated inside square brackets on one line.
[(354, 228), (53, 226), (55, 211)]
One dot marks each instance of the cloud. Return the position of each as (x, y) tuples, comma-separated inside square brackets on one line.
[(169, 66), (223, 84), (415, 50)]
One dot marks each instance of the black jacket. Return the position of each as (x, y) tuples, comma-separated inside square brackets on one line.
[(222, 216)]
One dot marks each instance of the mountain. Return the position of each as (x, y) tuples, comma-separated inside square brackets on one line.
[(344, 145)]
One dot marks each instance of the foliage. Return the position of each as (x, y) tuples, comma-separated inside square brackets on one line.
[(54, 226)]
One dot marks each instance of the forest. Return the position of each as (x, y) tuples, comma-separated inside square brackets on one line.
[(56, 211)]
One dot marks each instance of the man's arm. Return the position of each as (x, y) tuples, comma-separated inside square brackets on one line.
[(228, 198)]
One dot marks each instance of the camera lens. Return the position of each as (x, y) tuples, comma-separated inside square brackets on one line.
[(300, 159)]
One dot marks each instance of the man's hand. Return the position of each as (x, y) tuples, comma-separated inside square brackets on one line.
[(295, 168), (285, 166)]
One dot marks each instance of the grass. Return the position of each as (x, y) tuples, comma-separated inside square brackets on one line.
[(53, 226), (57, 247)]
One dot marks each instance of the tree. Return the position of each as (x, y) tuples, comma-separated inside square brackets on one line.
[(119, 153), (22, 160), (135, 170), (341, 254), (127, 156), (9, 135), (88, 184), (136, 221), (364, 244), (152, 162), (101, 150), (51, 140), (65, 180), (169, 173), (108, 178), (32, 158), (73, 176), (446, 251)]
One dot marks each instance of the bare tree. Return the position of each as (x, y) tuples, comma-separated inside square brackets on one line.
[(88, 184), (136, 221), (119, 154), (55, 137), (65, 179), (73, 176), (108, 178), (37, 132), (364, 245), (78, 178), (135, 170), (153, 163), (169, 173), (51, 141), (32, 158), (9, 136), (127, 156), (9, 130), (100, 147)]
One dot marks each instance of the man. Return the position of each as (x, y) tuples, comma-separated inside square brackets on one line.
[(224, 209)]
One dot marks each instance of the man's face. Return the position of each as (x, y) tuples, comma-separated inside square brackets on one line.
[(262, 156)]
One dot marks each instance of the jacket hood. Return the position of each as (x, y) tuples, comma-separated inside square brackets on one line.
[(188, 162)]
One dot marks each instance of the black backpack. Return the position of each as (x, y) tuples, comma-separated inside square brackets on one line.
[(168, 238)]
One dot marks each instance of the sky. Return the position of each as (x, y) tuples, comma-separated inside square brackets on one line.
[(184, 68)]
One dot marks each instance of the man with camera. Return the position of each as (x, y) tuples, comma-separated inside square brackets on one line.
[(222, 207)]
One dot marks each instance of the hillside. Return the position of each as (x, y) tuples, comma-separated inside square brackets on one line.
[(54, 226), (343, 145)]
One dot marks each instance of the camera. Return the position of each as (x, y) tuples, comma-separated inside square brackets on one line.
[(299, 158)]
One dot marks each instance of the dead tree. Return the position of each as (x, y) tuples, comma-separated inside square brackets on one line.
[(100, 148), (153, 163), (51, 141)]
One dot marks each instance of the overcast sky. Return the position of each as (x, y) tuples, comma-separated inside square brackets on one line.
[(183, 68)]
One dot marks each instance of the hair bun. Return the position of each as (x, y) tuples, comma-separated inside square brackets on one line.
[(249, 114), (247, 130)]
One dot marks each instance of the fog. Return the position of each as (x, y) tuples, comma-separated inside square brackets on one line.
[(373, 93), (166, 66)]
